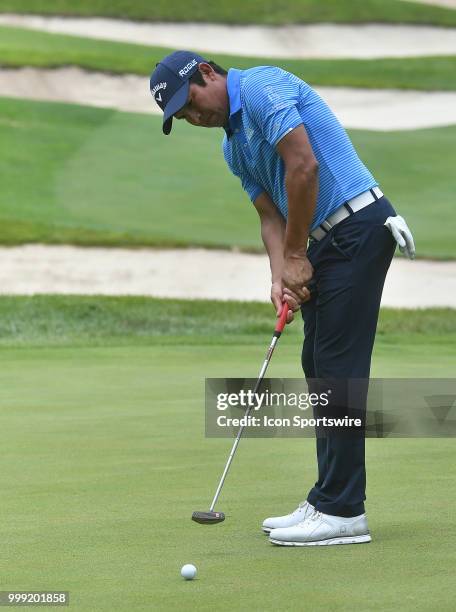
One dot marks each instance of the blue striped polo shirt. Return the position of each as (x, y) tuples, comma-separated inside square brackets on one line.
[(265, 104)]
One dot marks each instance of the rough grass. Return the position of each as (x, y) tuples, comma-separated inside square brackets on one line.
[(95, 320), (268, 12), (22, 47)]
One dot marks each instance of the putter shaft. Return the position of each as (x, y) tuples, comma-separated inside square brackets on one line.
[(277, 333)]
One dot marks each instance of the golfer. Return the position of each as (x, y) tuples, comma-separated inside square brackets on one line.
[(326, 224)]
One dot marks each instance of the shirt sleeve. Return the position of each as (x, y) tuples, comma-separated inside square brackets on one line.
[(272, 107), (250, 186)]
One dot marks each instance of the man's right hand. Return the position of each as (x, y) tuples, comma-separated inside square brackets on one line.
[(297, 274), (277, 298)]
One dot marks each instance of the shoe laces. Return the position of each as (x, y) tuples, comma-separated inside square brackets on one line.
[(312, 517)]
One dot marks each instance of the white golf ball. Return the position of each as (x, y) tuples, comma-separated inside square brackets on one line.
[(188, 571)]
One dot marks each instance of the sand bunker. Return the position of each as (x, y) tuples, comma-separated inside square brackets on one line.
[(357, 108), (33, 269), (294, 41), (445, 3)]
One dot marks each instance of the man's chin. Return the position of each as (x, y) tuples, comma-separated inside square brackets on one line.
[(216, 121), (214, 124)]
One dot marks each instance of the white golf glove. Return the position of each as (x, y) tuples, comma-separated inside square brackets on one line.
[(402, 235)]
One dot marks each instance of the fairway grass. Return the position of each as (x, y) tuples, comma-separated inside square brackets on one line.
[(23, 47), (101, 177), (242, 11), (104, 459)]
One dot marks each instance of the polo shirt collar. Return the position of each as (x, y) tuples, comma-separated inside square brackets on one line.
[(233, 86)]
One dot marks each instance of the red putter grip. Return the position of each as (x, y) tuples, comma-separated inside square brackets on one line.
[(282, 319)]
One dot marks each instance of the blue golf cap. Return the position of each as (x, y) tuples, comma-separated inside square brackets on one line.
[(169, 83)]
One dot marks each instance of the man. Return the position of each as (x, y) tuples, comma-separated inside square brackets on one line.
[(325, 224)]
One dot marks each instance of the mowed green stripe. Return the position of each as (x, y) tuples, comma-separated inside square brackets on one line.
[(21, 47), (108, 178), (243, 11)]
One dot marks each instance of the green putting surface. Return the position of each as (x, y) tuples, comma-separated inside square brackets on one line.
[(108, 178), (104, 459), (22, 47), (243, 11)]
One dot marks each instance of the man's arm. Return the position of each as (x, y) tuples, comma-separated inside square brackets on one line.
[(301, 183), (273, 235)]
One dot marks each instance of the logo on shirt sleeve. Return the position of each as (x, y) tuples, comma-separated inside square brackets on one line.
[(276, 99)]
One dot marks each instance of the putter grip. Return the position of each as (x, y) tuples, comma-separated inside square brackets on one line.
[(282, 319)]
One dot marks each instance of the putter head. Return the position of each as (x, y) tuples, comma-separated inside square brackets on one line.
[(208, 518)]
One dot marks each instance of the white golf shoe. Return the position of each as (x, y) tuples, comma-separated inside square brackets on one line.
[(323, 530), (303, 511)]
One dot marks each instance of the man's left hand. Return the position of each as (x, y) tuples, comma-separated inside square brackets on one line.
[(297, 273), (402, 235)]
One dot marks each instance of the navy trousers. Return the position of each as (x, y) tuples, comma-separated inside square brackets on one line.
[(350, 265)]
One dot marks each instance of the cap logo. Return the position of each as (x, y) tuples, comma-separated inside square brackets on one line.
[(186, 69), (157, 87)]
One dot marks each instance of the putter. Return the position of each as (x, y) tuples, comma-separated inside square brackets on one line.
[(210, 517)]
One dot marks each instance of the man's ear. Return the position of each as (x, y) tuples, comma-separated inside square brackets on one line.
[(207, 71)]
